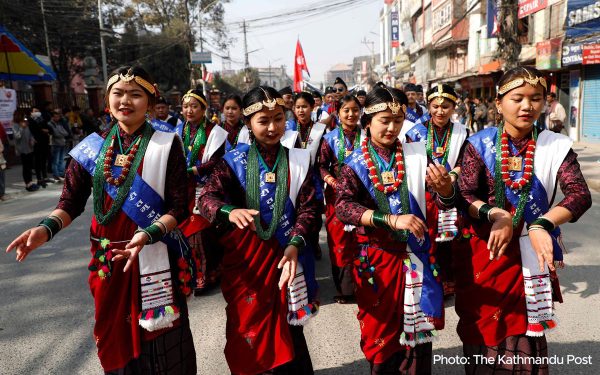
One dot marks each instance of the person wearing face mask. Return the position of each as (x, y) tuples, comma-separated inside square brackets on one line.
[(204, 144), (139, 272), (265, 192), (24, 146), (41, 133), (506, 282), (382, 191)]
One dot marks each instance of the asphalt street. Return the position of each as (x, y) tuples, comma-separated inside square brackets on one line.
[(47, 313)]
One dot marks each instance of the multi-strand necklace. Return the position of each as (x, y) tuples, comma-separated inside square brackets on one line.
[(130, 165), (381, 191), (442, 147), (303, 140), (193, 146), (505, 164), (279, 173), (344, 146), (390, 183)]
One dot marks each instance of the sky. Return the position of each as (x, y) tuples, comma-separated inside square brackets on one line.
[(327, 39)]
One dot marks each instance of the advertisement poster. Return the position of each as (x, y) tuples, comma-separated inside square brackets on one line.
[(8, 105)]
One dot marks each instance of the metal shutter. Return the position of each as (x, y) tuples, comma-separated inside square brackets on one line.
[(591, 104)]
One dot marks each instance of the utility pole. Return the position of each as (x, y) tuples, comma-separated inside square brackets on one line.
[(102, 46), (246, 62), (372, 50), (45, 31)]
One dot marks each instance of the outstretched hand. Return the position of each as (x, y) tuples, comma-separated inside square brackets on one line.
[(28, 241), (243, 218), (131, 251), (288, 265)]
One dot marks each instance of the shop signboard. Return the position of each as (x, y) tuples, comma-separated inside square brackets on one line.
[(395, 29), (583, 18), (591, 54), (527, 7), (548, 54)]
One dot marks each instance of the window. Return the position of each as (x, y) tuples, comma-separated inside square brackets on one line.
[(442, 16), (557, 19)]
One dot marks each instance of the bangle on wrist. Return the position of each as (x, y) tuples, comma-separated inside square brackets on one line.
[(225, 211), (537, 227), (52, 226), (484, 212), (297, 241), (58, 219), (153, 232), (542, 222), (190, 170), (164, 227), (449, 199), (455, 174), (379, 220)]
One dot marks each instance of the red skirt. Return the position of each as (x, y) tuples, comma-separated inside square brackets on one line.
[(257, 331), (342, 244)]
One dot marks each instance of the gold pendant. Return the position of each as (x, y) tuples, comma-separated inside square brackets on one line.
[(515, 163), (348, 153), (270, 177), (439, 150), (190, 148), (303, 144), (387, 178), (120, 160)]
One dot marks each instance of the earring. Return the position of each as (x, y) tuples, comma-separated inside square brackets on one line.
[(499, 111)]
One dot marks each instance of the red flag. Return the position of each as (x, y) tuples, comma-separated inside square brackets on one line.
[(299, 67)]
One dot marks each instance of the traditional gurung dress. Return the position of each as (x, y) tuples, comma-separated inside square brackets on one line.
[(506, 305), (259, 336), (203, 146), (444, 145), (398, 291), (335, 147), (135, 331), (309, 138)]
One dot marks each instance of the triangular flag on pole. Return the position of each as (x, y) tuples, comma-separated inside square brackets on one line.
[(299, 67)]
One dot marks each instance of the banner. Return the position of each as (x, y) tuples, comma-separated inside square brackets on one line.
[(583, 18), (299, 67), (591, 54), (548, 54), (572, 52), (8, 105), (492, 19), (395, 29)]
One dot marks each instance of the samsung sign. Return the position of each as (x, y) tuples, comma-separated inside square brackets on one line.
[(583, 17)]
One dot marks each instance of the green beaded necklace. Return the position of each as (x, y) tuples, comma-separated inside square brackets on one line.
[(341, 154), (499, 184), (122, 191), (253, 189), (383, 203), (198, 141), (431, 134)]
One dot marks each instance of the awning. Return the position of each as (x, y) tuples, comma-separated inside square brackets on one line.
[(17, 63)]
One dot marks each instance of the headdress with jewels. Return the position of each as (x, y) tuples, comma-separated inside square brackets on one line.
[(520, 81), (394, 106), (128, 77), (191, 94), (269, 102), (440, 94)]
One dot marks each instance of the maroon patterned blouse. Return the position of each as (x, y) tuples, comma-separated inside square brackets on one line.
[(206, 168), (224, 188), (353, 199), (78, 182), (476, 182), (327, 161), (233, 131)]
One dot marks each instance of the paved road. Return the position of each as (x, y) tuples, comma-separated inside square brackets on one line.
[(46, 311)]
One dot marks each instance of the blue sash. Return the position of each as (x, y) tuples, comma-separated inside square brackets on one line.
[(537, 205), (432, 293), (237, 161), (143, 205), (162, 126), (418, 133), (413, 116)]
